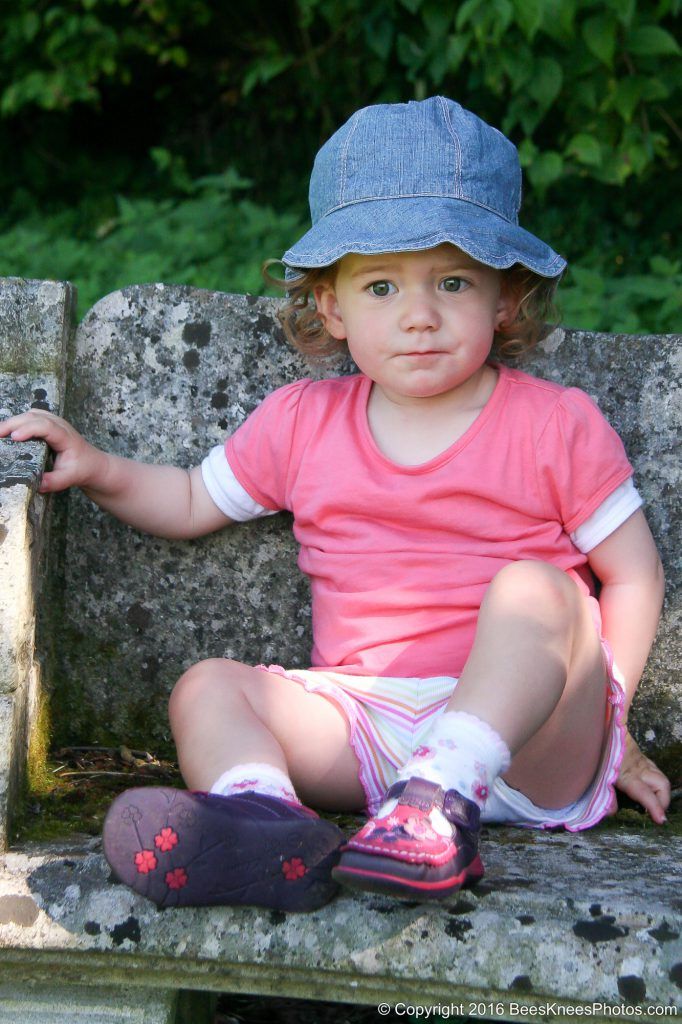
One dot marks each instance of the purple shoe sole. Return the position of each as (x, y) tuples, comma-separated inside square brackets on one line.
[(185, 849)]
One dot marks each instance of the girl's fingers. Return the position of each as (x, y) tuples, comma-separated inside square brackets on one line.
[(658, 783), (642, 794), (17, 426), (648, 786), (30, 433), (32, 425), (6, 426), (54, 481), (66, 442), (652, 776)]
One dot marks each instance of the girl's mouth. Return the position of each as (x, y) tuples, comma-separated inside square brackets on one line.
[(429, 352)]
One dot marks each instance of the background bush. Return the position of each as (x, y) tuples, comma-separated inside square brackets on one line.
[(172, 140)]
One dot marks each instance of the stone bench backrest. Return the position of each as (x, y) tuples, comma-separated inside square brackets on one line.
[(163, 373)]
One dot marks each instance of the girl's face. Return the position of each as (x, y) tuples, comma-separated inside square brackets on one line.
[(419, 324)]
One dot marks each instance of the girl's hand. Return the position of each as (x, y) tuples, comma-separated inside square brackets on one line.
[(641, 780), (77, 463)]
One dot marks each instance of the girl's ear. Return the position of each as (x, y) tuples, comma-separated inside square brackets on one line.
[(328, 310), (507, 304)]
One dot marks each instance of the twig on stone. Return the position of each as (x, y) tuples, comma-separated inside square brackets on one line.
[(92, 773)]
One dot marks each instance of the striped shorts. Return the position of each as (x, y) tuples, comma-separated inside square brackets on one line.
[(389, 718)]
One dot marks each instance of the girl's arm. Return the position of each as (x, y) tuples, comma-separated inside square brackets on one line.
[(162, 500), (629, 568)]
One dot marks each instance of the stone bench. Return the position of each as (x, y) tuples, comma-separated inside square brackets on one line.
[(103, 620)]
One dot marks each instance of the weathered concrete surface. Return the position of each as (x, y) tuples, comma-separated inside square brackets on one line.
[(563, 919), (22, 542), (637, 381), (163, 373), (73, 1004), (35, 325)]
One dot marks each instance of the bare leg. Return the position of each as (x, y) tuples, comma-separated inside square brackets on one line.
[(223, 713), (536, 674), (183, 848)]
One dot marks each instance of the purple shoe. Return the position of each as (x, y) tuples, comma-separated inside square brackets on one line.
[(402, 854), (185, 849)]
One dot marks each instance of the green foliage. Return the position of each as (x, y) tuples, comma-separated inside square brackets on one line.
[(212, 237), (628, 304), (58, 55), (555, 72), (122, 116)]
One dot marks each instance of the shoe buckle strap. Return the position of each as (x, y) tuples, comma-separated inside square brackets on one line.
[(460, 811), (422, 794)]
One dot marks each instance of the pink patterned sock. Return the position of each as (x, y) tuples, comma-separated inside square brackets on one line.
[(460, 752), (256, 778)]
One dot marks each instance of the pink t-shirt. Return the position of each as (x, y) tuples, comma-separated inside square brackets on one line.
[(399, 557)]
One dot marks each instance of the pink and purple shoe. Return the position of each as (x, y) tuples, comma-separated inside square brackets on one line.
[(412, 852), (185, 849)]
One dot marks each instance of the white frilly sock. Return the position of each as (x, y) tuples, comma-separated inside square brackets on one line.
[(460, 752), (256, 778)]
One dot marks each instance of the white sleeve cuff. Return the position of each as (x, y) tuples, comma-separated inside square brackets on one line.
[(228, 494), (611, 514)]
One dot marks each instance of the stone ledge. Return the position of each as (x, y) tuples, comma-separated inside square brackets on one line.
[(23, 535), (560, 918), (71, 1004)]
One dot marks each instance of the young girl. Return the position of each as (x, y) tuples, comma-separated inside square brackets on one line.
[(452, 516)]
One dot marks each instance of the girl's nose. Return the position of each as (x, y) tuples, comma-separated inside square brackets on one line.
[(420, 313)]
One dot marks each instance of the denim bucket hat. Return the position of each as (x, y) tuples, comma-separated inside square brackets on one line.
[(407, 176)]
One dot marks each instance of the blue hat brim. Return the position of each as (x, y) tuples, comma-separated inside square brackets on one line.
[(421, 222)]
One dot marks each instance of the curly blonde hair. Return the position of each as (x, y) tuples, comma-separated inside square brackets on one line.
[(534, 312)]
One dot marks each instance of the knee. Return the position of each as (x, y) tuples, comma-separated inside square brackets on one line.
[(533, 585), (199, 684)]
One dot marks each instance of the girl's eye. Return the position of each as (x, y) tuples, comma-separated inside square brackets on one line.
[(381, 288), (453, 284)]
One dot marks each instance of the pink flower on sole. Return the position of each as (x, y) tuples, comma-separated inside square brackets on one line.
[(481, 792), (131, 815), (176, 879), (166, 839), (423, 752), (145, 861), (293, 869)]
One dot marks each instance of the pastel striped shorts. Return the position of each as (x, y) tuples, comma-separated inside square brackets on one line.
[(389, 718)]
